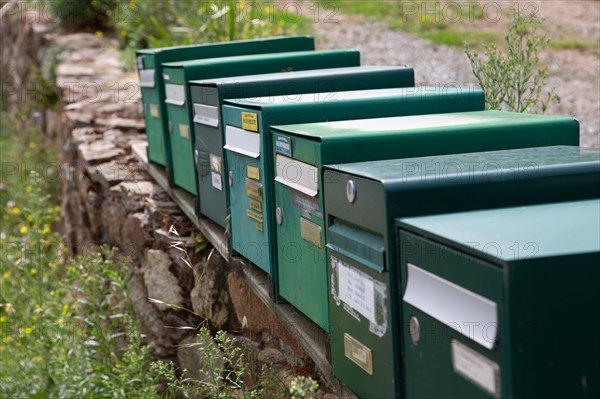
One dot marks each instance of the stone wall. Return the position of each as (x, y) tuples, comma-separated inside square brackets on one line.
[(109, 198)]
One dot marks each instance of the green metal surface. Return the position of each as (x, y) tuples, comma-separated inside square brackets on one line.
[(542, 263), (302, 264), (213, 195), (259, 246), (388, 189), (149, 65), (179, 112)]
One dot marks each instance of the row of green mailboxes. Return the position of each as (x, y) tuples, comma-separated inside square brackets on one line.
[(283, 209)]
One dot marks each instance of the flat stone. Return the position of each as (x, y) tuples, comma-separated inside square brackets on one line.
[(85, 134), (99, 150), (210, 297), (79, 119), (136, 230), (161, 284), (271, 356), (168, 239), (110, 173), (121, 123), (145, 188), (75, 70)]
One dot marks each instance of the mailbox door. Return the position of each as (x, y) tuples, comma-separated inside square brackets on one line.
[(361, 310), (302, 270), (208, 154), (360, 335), (453, 321), (179, 129), (152, 107), (248, 197)]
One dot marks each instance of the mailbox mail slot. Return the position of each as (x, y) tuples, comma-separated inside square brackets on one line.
[(246, 235), (209, 132), (180, 111), (538, 266), (384, 190), (149, 65)]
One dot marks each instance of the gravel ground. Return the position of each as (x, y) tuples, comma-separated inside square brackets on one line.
[(575, 74)]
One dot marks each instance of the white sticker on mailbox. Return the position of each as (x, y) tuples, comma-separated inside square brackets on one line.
[(476, 368), (357, 290), (217, 182)]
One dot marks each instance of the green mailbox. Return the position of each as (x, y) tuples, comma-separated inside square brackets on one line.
[(179, 110), (152, 84), (252, 227), (301, 150), (361, 202), (213, 190), (502, 303)]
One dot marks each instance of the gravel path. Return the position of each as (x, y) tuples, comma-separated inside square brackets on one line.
[(575, 74)]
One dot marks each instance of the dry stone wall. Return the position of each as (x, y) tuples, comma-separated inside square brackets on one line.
[(109, 198)]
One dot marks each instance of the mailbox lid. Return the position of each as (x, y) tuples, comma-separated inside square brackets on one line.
[(310, 81), (149, 64), (446, 133), (417, 185), (554, 230), (226, 49), (547, 256)]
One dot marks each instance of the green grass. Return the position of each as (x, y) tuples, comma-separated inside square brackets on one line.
[(575, 44), (429, 19)]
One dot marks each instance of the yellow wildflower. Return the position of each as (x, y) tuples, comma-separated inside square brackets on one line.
[(32, 145), (52, 292), (33, 272), (28, 330), (18, 344), (3, 319), (46, 230), (15, 211), (61, 321), (65, 309), (29, 217), (24, 230), (38, 306), (28, 189), (6, 340), (5, 276)]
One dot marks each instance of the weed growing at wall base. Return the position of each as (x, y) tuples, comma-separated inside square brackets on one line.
[(513, 80)]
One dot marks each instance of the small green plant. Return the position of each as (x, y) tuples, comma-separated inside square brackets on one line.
[(303, 388), (514, 80)]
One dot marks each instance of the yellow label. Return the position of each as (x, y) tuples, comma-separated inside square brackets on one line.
[(253, 172), (260, 227), (254, 215), (154, 111), (250, 121), (311, 232), (254, 190), (254, 204), (361, 355), (184, 131)]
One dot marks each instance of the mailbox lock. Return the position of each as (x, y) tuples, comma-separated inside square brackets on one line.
[(231, 178), (196, 157), (415, 330), (279, 215), (351, 191)]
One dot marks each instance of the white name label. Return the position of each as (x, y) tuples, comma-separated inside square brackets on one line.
[(357, 290), (476, 368)]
